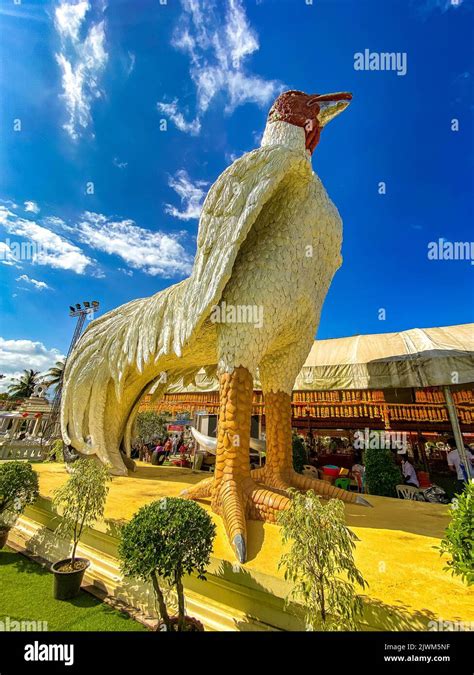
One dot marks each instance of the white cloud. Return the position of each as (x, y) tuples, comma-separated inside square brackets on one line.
[(69, 17), (191, 195), (9, 203), (131, 62), (18, 355), (40, 285), (425, 7), (154, 253), (218, 42), (81, 61), (172, 111), (7, 256), (56, 222), (241, 39), (257, 136), (42, 246), (31, 207), (119, 164)]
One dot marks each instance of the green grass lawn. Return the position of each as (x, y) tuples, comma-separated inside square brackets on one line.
[(26, 594)]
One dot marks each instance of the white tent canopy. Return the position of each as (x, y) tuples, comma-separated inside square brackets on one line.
[(418, 357)]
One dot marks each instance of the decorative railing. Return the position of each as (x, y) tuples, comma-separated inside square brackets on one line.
[(9, 404), (437, 396), (328, 409)]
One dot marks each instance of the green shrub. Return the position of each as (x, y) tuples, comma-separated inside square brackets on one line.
[(18, 488), (299, 453), (459, 536), (320, 562), (81, 500), (382, 475), (166, 540)]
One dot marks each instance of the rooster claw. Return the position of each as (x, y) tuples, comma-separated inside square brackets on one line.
[(363, 502), (239, 547)]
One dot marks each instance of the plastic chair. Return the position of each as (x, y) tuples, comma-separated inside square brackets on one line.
[(310, 471), (407, 492), (342, 483)]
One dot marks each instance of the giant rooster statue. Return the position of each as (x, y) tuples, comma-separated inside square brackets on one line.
[(270, 238)]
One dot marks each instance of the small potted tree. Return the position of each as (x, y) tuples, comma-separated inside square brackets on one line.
[(320, 562), (18, 488), (164, 541), (80, 502)]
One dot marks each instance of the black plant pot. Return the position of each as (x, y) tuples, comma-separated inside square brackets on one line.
[(4, 532), (191, 625), (67, 585)]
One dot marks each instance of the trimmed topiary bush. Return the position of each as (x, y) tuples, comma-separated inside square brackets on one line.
[(382, 475), (164, 541), (458, 541), (18, 488)]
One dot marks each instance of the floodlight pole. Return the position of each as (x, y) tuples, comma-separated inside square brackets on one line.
[(81, 312)]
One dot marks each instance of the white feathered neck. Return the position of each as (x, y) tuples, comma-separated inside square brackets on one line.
[(283, 133)]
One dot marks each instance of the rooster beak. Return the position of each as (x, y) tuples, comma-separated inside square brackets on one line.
[(330, 105)]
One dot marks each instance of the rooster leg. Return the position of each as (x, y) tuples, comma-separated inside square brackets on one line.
[(278, 471), (234, 494)]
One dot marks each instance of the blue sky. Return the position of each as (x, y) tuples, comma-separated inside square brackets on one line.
[(117, 116)]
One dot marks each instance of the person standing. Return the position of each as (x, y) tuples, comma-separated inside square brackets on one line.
[(168, 447), (158, 455), (174, 444), (456, 464), (358, 472)]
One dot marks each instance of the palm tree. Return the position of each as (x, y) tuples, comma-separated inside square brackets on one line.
[(24, 386), (54, 375)]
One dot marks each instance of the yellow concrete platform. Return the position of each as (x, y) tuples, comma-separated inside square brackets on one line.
[(396, 554)]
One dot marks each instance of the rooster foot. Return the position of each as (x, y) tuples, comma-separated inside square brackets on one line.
[(235, 499)]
